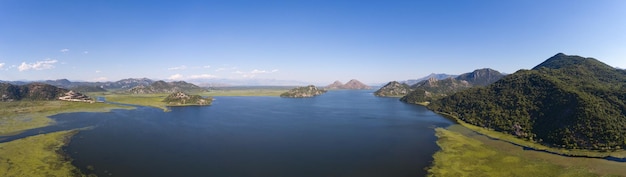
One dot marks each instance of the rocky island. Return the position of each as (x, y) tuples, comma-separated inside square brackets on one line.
[(183, 99), (303, 92)]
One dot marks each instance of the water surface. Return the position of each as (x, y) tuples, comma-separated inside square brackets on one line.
[(340, 133)]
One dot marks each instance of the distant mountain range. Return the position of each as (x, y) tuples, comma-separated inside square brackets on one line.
[(64, 83), (352, 84), (433, 88), (567, 101), (32, 91), (165, 87), (430, 76)]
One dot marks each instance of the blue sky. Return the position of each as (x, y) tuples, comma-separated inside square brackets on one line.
[(314, 41)]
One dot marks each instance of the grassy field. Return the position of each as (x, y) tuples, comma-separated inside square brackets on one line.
[(37, 156), (23, 115), (461, 155)]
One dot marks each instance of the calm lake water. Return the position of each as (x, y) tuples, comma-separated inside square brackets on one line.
[(340, 133)]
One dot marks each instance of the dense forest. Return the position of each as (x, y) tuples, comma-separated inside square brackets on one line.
[(567, 101)]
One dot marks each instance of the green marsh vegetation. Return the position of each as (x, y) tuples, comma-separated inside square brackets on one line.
[(18, 116), (466, 153), (37, 156)]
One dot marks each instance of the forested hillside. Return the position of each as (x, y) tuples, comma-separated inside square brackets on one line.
[(566, 101)]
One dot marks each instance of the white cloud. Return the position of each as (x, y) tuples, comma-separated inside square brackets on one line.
[(65, 50), (1, 65), (38, 65), (207, 66), (181, 67), (224, 69), (175, 77), (98, 71), (256, 71), (86, 52), (202, 76)]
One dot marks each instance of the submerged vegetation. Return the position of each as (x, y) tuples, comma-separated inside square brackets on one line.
[(38, 155), (461, 155)]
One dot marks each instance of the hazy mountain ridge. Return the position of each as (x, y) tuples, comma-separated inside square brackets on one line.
[(438, 76), (352, 84), (566, 101), (165, 87)]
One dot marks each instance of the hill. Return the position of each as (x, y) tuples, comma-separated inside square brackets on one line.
[(35, 91), (127, 83), (352, 84), (181, 98), (165, 87), (303, 92), (393, 89), (566, 101), (335, 85), (431, 89)]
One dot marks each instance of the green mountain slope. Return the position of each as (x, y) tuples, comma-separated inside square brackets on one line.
[(432, 89), (566, 101)]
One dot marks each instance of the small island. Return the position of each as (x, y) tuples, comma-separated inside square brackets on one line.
[(183, 99), (303, 92)]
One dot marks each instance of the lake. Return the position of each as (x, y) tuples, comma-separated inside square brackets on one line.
[(340, 133)]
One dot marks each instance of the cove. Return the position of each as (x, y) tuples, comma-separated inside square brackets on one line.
[(340, 133)]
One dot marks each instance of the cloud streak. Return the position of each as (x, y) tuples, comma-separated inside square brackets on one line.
[(38, 65), (202, 76), (64, 50), (181, 67), (254, 73)]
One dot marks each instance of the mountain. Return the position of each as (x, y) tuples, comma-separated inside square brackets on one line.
[(335, 85), (567, 101), (432, 75), (86, 88), (428, 90), (32, 91), (303, 92), (181, 98), (392, 89), (352, 84), (165, 87), (481, 77), (127, 83), (431, 89)]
